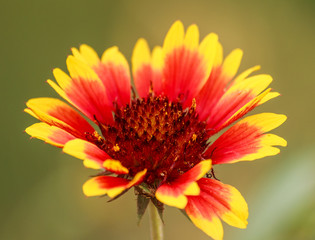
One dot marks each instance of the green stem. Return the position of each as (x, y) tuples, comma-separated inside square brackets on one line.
[(156, 225)]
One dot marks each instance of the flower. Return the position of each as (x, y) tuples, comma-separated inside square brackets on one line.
[(158, 139)]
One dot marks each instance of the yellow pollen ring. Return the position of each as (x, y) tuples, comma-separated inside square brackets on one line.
[(95, 134), (193, 104), (116, 148), (194, 137)]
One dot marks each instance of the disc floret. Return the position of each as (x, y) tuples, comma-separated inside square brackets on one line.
[(155, 134)]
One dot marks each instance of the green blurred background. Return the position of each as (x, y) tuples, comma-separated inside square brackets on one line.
[(41, 195)]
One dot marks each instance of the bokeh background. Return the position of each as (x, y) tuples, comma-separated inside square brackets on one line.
[(41, 195)]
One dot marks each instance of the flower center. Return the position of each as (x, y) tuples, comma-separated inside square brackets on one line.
[(158, 135)]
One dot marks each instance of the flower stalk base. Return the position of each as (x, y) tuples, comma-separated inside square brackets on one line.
[(156, 224)]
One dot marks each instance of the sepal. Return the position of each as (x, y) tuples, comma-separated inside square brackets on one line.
[(142, 204)]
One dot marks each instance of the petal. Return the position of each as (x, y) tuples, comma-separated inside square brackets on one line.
[(62, 78), (50, 134), (265, 121), (175, 37), (216, 85), (236, 97), (187, 64), (141, 67), (210, 94), (115, 75), (57, 113), (174, 193), (217, 101), (147, 69), (89, 55), (87, 92), (30, 112), (232, 63), (183, 72), (218, 55), (246, 73), (255, 84), (113, 71), (157, 62), (232, 107), (113, 55), (191, 39), (233, 116), (84, 90), (112, 186), (207, 49), (217, 200), (204, 218), (115, 166), (76, 53), (59, 90), (92, 156), (268, 97), (138, 178), (102, 185), (247, 141), (214, 95), (196, 172), (227, 201)]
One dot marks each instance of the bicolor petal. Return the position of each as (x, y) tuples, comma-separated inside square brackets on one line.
[(187, 64), (50, 134), (174, 37), (247, 141), (233, 106), (92, 156), (215, 86), (147, 69), (57, 113), (83, 89), (255, 84), (141, 67), (157, 63), (115, 75), (112, 186), (115, 166), (224, 102), (112, 70), (208, 49), (86, 54), (242, 109), (102, 185), (204, 218), (217, 200), (174, 193)]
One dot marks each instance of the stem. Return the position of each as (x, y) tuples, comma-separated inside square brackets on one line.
[(156, 225)]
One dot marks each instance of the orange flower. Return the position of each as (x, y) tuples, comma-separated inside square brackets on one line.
[(158, 140)]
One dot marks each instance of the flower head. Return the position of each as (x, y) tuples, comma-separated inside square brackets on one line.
[(155, 137)]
